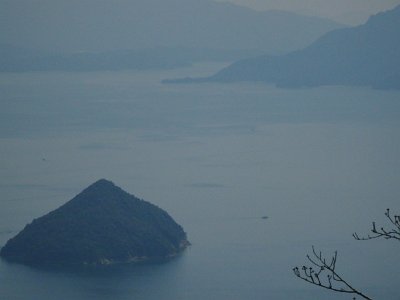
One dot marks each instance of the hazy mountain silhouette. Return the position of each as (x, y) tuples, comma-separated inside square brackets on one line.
[(20, 59), (102, 25), (366, 55), (101, 225)]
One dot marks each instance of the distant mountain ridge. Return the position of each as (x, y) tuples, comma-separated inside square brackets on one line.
[(366, 55), (103, 25), (102, 225), (102, 35)]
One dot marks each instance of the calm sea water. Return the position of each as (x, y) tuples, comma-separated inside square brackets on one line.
[(320, 163)]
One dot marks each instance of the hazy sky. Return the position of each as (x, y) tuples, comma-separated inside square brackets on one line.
[(346, 11)]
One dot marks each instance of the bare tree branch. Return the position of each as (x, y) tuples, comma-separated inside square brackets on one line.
[(393, 233), (323, 273)]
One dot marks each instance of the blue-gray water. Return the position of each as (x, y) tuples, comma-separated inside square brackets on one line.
[(321, 163)]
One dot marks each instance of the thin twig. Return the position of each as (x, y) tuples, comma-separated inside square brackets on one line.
[(393, 233), (333, 281)]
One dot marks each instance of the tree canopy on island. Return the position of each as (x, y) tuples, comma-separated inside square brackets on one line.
[(101, 225)]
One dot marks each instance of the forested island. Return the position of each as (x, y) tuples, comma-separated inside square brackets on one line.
[(100, 226)]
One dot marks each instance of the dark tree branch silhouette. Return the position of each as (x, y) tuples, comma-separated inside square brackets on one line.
[(324, 274), (393, 233)]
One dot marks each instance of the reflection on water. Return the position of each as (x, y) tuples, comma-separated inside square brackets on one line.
[(83, 283), (320, 163)]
